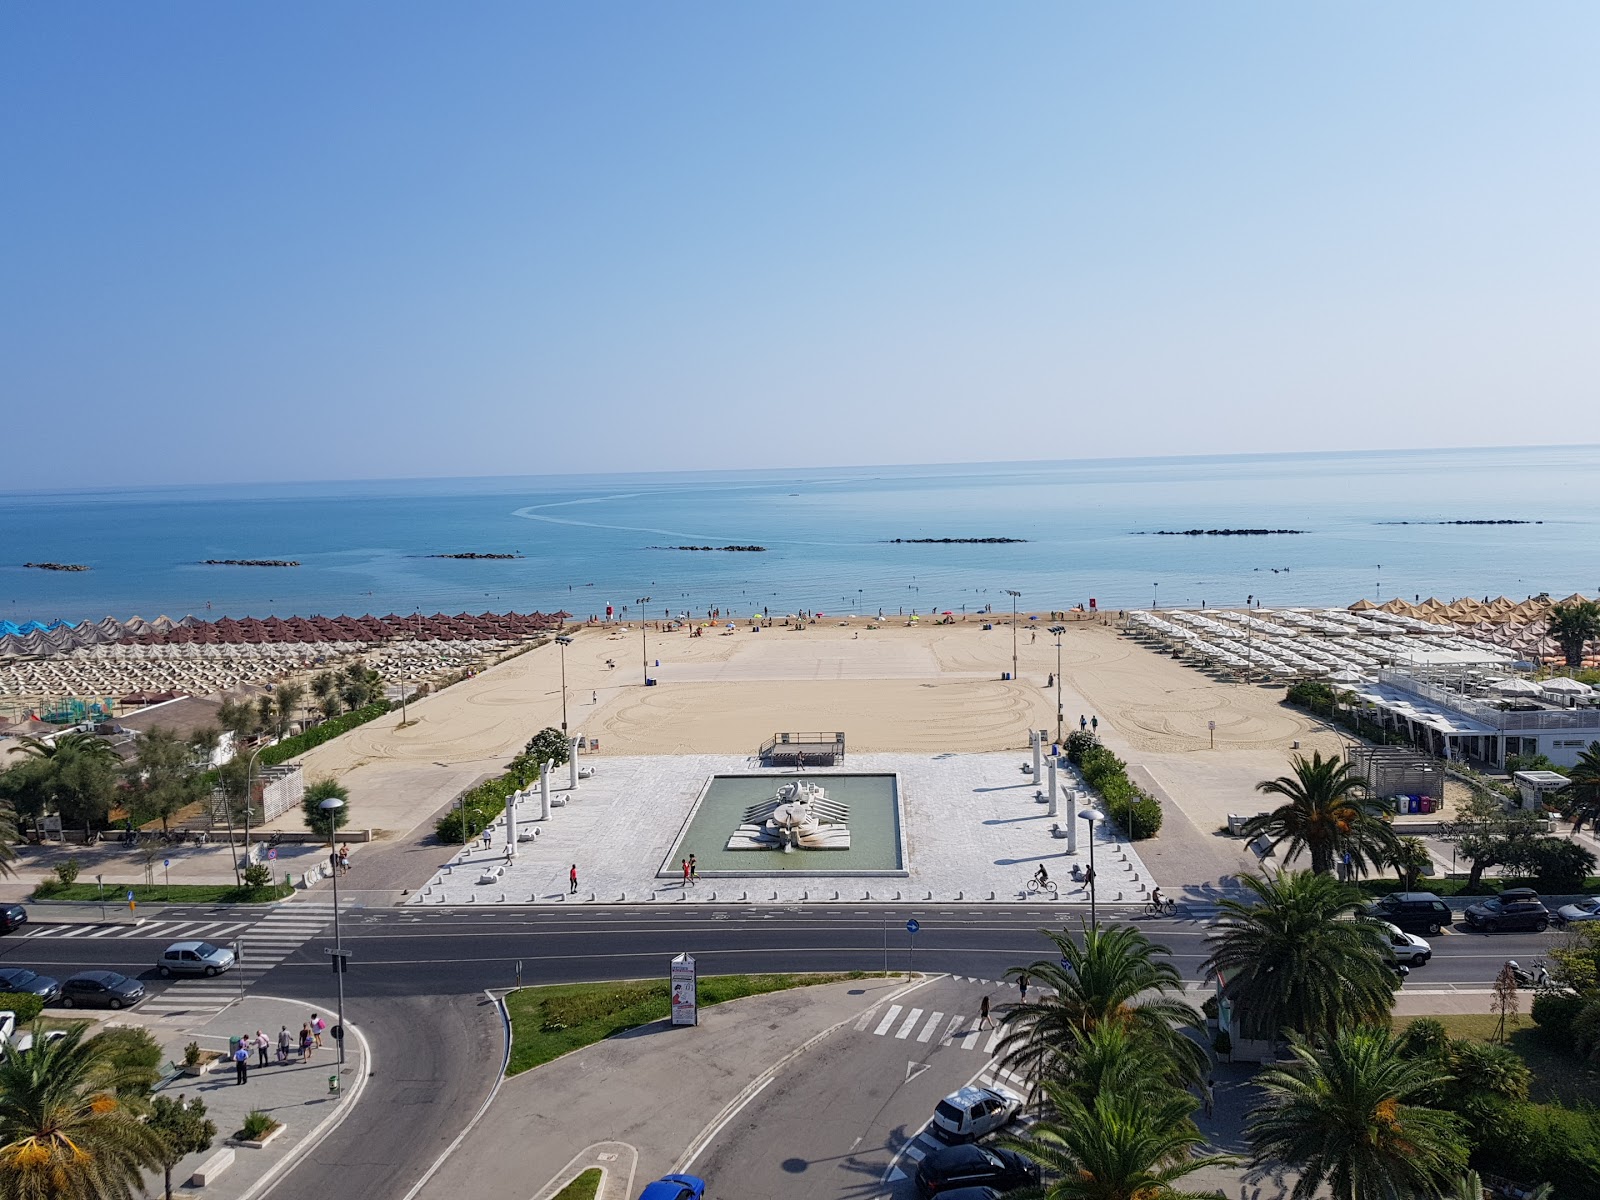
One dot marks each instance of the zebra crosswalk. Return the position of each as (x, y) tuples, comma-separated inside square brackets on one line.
[(263, 944), (208, 931), (923, 1025)]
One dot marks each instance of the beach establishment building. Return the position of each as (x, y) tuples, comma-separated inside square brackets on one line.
[(1461, 711)]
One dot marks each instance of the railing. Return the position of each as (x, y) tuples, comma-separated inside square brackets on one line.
[(834, 740), (1544, 718)]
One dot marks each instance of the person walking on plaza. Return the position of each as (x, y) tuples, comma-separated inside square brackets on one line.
[(983, 1014), (285, 1045), (306, 1043), (1094, 724), (317, 1027), (572, 880), (686, 872), (694, 870), (241, 1061), (1022, 986), (1083, 723), (263, 1044)]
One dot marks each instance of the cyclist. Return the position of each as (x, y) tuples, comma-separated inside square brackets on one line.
[(1155, 898), (1042, 877)]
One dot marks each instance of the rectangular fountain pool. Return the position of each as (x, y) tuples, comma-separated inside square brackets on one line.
[(875, 828)]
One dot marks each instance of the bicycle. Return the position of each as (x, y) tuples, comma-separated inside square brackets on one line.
[(1161, 908), (1049, 885)]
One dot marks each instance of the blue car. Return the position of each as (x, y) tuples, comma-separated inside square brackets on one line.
[(675, 1187)]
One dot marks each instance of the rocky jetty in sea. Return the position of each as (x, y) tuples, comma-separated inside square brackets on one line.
[(1502, 521), (52, 566), (743, 549), (947, 541), (1221, 532), (473, 554), (249, 562)]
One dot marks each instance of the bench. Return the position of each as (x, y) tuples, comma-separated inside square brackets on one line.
[(214, 1166)]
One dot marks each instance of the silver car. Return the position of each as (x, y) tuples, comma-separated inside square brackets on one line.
[(1584, 910), (193, 958), (1407, 949)]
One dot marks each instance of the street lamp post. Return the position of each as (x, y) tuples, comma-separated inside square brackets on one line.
[(248, 768), (644, 651), (330, 807), (1058, 630), (563, 641), (1155, 595), (1015, 596), (1092, 815)]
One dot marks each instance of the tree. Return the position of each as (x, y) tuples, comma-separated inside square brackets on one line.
[(287, 698), (1328, 813), (66, 1133), (81, 775), (24, 794), (549, 745), (1116, 1146), (1580, 799), (1504, 1004), (1117, 977), (183, 1129), (1571, 625), (266, 715), (326, 690), (359, 685), (1344, 1116), (163, 776), (1487, 834), (239, 719), (1411, 861), (325, 823), (1294, 961)]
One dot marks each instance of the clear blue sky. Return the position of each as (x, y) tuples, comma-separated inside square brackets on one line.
[(342, 240)]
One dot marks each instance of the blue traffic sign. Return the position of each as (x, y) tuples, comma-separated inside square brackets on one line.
[(166, 862), (912, 926), (130, 895)]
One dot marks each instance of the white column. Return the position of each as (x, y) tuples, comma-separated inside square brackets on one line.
[(1072, 825), (544, 792), (1038, 751), (511, 822), (572, 763), (1053, 792)]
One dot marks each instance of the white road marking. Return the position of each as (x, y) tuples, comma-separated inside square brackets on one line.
[(955, 1024), (933, 1023), (888, 1020), (910, 1023)]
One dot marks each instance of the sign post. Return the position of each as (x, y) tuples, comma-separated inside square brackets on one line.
[(685, 1011), (911, 953), (166, 876), (1212, 726)]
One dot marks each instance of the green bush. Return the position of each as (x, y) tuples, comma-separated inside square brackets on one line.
[(67, 872), (1078, 743), (256, 1126), (257, 875), (1135, 810), (1555, 1013), (301, 742), (1308, 693), (1425, 1037), (477, 810), (26, 1005), (135, 1051), (1545, 1143)]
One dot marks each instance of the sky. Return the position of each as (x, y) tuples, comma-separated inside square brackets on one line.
[(384, 240)]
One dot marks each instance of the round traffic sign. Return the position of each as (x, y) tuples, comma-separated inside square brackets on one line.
[(912, 926), (272, 854), (166, 862)]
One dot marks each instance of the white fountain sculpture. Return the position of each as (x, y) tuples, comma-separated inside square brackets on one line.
[(799, 817)]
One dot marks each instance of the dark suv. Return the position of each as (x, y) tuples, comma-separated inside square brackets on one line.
[(1415, 912), (1514, 908)]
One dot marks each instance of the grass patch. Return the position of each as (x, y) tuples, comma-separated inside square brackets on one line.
[(1559, 1076), (178, 893), (547, 1022), (583, 1187)]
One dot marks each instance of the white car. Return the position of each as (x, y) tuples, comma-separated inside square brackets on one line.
[(1407, 949), (972, 1112), (1584, 910)]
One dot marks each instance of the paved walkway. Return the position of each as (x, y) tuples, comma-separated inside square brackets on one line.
[(296, 1094)]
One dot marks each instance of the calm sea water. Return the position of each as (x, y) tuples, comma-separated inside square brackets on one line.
[(587, 539)]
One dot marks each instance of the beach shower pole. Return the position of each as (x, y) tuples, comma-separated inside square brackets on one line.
[(644, 652), (1015, 596), (563, 641), (1058, 630)]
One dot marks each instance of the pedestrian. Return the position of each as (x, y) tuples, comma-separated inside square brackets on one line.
[(983, 1013), (285, 1045), (1094, 724), (1083, 722), (686, 872), (263, 1044), (1022, 986), (572, 880), (241, 1062), (1209, 1094), (509, 855), (1088, 878), (1051, 682), (344, 858), (317, 1026), (694, 869), (594, 698), (306, 1043)]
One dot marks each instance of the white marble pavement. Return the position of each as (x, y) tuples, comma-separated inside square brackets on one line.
[(973, 831)]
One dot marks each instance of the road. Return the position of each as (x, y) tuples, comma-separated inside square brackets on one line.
[(418, 976)]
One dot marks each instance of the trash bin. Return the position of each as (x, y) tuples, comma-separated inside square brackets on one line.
[(1005, 676), (988, 625), (1414, 805)]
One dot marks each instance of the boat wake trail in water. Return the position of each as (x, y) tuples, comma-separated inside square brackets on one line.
[(535, 512)]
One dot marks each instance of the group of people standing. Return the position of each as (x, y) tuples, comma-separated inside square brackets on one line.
[(308, 1041)]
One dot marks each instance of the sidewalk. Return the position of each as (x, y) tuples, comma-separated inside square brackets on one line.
[(211, 863), (297, 1094)]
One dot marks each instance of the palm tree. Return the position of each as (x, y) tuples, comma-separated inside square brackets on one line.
[(1117, 977), (1581, 798), (1293, 962), (1343, 1116), (1116, 1147), (1328, 813), (1571, 625), (360, 685), (1411, 861), (64, 1132), (81, 774)]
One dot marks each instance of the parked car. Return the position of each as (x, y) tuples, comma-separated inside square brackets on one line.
[(20, 979), (675, 1187), (100, 989), (193, 958), (973, 1166), (1405, 948), (1517, 908), (12, 916), (1587, 909), (966, 1115), (1414, 912)]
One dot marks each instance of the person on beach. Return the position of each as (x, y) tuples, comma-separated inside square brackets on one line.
[(572, 880), (1083, 722), (263, 1044), (1094, 724)]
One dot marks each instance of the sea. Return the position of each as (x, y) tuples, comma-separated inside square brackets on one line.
[(1370, 525)]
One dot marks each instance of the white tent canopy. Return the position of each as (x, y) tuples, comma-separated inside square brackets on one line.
[(1517, 687), (1562, 686)]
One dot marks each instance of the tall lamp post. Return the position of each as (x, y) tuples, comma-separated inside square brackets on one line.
[(248, 796), (563, 641), (1015, 596), (1058, 630), (1092, 815), (1155, 595), (330, 808), (644, 651)]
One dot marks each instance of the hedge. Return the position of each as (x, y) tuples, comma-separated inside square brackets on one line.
[(1130, 806), (26, 1005), (291, 747), (477, 810), (1541, 1143)]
